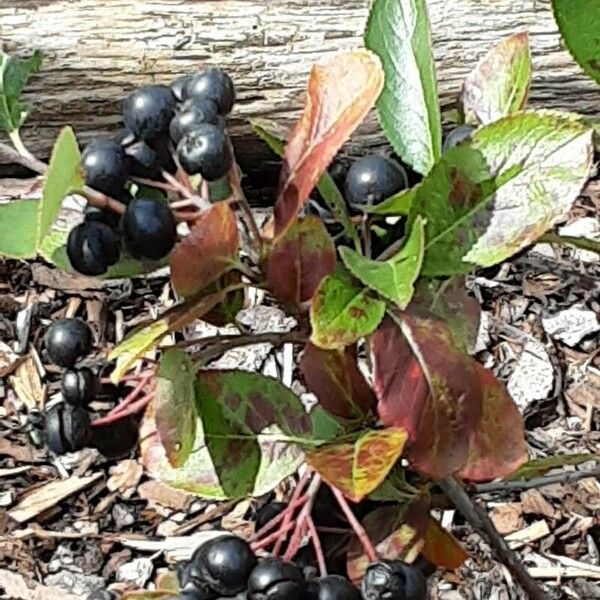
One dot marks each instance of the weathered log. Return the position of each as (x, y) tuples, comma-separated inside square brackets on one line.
[(98, 51)]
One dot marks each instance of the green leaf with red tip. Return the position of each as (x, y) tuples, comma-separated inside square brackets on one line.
[(357, 468), (343, 311), (334, 377), (394, 278), (541, 466), (203, 255), (341, 92), (299, 261), (175, 405), (499, 84)]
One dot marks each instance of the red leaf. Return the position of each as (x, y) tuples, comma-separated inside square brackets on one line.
[(441, 548), (203, 255), (333, 376), (300, 260), (430, 388), (340, 94), (498, 446)]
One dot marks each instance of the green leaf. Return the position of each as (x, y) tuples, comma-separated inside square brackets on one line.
[(18, 228), (175, 405), (398, 31), (540, 466), (487, 199), (578, 21), (64, 177), (326, 186), (499, 84), (394, 278), (14, 73), (342, 312), (398, 204)]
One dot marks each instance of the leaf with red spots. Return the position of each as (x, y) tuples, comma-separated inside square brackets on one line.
[(429, 387), (299, 261), (356, 469), (498, 446), (341, 92), (205, 253), (441, 548), (333, 376)]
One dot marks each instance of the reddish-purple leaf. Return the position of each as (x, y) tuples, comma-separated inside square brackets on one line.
[(300, 260), (333, 376), (441, 548), (204, 254), (340, 94), (429, 387), (498, 446)]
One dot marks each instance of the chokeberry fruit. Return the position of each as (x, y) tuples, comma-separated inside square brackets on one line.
[(115, 440), (393, 580), (332, 587), (104, 215), (92, 247), (205, 150), (124, 137), (193, 112), (148, 111), (224, 564), (143, 160), (79, 386), (178, 87), (372, 179), (215, 84), (105, 166), (149, 228), (276, 579), (67, 340), (267, 513), (457, 136), (66, 428)]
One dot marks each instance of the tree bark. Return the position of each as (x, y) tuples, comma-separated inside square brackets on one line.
[(96, 52)]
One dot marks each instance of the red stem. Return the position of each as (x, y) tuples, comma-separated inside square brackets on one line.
[(276, 520), (130, 410), (258, 545), (314, 536), (355, 524)]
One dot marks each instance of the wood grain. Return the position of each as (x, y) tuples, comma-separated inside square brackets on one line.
[(98, 51)]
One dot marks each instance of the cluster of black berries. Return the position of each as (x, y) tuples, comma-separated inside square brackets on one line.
[(67, 424), (185, 119), (226, 567)]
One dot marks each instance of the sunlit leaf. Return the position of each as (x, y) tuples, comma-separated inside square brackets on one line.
[(340, 94), (19, 228), (540, 466), (399, 204), (441, 548), (499, 84)]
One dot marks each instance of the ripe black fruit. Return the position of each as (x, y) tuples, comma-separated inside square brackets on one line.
[(67, 340), (276, 579), (66, 428), (332, 587), (148, 111), (92, 247), (193, 112), (79, 386), (393, 580), (178, 87), (205, 150), (457, 136), (372, 179), (105, 166), (215, 84), (104, 215), (267, 513), (149, 228), (115, 440), (143, 160), (224, 564)]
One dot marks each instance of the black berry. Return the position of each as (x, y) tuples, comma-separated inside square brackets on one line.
[(105, 166), (92, 247), (215, 84), (267, 513), (66, 428), (224, 564), (148, 111), (332, 587), (372, 179), (104, 215), (149, 228), (206, 151), (193, 112), (393, 580), (67, 340), (178, 87), (276, 579), (457, 136), (124, 137), (115, 440), (79, 386), (144, 161)]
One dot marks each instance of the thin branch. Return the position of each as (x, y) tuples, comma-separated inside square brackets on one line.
[(566, 240), (159, 185), (481, 522), (277, 520), (314, 536), (131, 409), (537, 482)]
